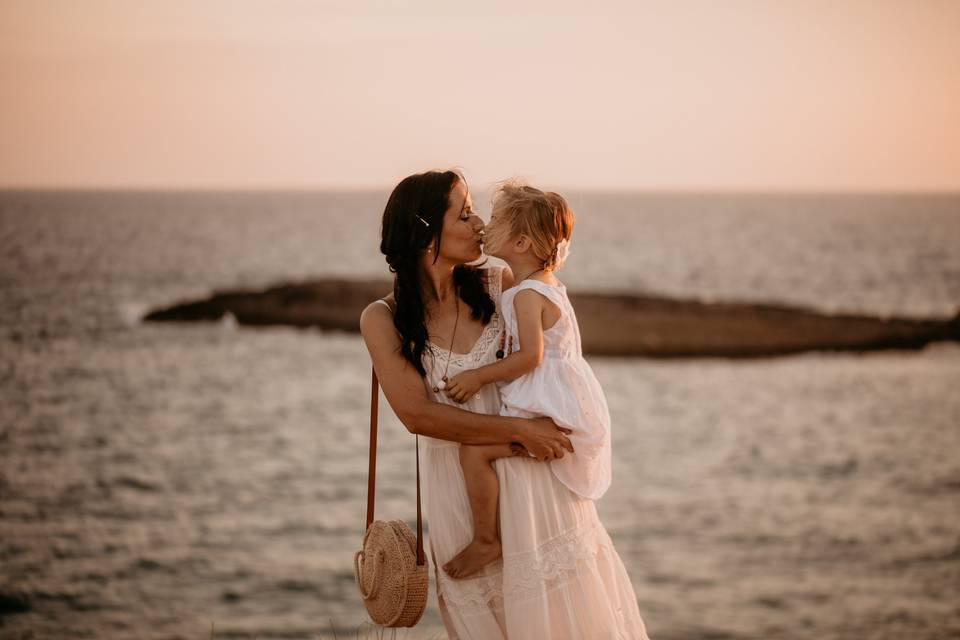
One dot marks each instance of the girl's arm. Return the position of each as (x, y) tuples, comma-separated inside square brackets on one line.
[(528, 305), (404, 390)]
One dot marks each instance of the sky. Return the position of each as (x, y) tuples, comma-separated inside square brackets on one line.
[(741, 95)]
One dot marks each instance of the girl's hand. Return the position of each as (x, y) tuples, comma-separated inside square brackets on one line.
[(463, 385)]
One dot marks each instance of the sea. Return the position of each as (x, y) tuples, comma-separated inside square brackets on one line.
[(208, 480)]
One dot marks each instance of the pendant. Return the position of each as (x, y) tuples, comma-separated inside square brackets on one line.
[(440, 385)]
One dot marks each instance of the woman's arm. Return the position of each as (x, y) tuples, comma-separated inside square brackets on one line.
[(404, 390)]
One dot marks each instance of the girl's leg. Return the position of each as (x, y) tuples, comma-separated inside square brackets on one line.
[(483, 489)]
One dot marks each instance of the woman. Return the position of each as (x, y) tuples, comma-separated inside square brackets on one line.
[(559, 576)]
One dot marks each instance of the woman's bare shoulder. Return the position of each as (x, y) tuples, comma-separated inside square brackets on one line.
[(377, 315)]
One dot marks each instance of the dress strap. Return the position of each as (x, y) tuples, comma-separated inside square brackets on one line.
[(550, 292), (493, 281), (498, 285)]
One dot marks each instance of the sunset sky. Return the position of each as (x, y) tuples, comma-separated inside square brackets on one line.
[(736, 95)]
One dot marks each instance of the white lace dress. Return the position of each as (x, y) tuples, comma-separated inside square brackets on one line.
[(560, 577)]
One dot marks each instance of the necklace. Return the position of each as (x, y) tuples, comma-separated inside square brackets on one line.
[(528, 275), (443, 381)]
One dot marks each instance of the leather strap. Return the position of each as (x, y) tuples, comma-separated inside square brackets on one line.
[(372, 470)]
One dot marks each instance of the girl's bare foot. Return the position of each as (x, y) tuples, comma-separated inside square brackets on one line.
[(473, 557)]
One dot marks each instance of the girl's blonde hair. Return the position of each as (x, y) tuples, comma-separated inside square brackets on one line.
[(544, 217)]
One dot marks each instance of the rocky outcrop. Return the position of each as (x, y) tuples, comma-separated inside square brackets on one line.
[(610, 323)]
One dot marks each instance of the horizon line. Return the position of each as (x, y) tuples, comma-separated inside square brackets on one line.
[(665, 190)]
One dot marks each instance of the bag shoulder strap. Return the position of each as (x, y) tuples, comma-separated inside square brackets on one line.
[(372, 470)]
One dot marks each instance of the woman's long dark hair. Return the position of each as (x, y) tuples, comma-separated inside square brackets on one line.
[(403, 236)]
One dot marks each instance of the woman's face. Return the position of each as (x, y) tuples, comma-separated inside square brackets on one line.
[(460, 240)]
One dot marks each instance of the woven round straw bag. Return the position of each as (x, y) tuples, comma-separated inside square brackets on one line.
[(391, 568)]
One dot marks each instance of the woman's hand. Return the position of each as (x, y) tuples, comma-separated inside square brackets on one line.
[(545, 439), (463, 385)]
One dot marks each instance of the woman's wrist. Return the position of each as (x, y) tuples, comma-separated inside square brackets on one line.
[(519, 429)]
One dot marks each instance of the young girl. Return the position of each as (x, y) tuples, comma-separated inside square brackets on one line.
[(541, 370)]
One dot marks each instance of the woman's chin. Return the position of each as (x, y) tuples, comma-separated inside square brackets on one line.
[(473, 256)]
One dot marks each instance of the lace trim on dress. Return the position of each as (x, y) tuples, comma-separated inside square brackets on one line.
[(490, 333), (526, 575)]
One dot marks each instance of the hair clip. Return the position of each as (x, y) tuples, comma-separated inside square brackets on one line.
[(425, 223)]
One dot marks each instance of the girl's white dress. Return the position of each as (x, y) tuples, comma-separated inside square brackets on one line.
[(564, 388), (560, 577)]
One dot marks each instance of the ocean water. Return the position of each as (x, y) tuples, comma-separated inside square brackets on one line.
[(157, 479)]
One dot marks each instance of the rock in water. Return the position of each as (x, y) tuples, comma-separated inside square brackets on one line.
[(621, 324)]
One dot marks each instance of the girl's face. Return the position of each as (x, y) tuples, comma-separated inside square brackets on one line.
[(497, 239), (460, 240)]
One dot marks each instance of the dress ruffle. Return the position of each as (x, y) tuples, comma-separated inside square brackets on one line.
[(529, 574), (574, 400)]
